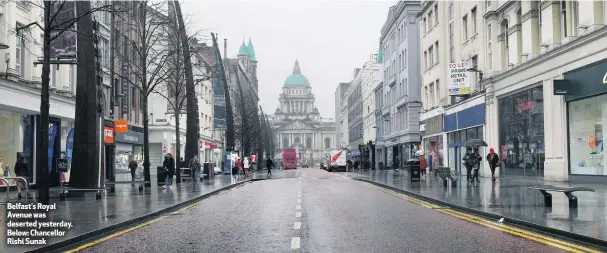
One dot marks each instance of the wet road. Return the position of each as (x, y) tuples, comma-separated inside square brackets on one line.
[(313, 211)]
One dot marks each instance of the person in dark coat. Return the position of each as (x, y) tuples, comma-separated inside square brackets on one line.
[(133, 167), (169, 166), (269, 165), (493, 161), (21, 170)]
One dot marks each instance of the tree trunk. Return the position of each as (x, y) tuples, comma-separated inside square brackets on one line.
[(178, 146), (192, 129), (43, 129), (229, 134), (243, 122), (85, 162), (146, 92)]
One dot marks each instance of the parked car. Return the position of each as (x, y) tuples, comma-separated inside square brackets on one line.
[(305, 166)]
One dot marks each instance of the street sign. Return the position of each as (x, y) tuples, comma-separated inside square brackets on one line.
[(62, 165)]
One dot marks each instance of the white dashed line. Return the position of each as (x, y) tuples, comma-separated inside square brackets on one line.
[(295, 243), (298, 215), (298, 207), (298, 201), (297, 225)]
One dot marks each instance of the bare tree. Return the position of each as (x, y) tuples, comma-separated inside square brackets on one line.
[(227, 96), (174, 85), (87, 97), (153, 52)]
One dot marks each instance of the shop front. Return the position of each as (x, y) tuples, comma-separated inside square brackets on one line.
[(521, 132), (585, 93), (462, 123), (129, 147), (433, 139), (17, 132)]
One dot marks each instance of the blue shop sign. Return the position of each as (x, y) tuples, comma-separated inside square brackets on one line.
[(473, 116)]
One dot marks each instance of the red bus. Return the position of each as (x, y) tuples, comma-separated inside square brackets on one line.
[(289, 158)]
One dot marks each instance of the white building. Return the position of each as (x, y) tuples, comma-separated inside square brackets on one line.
[(341, 115), (371, 78), (545, 87), (452, 38)]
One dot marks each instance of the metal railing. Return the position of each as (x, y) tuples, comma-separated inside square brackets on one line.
[(8, 187)]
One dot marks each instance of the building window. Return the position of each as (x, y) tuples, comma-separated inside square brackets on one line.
[(436, 14), (405, 58), (402, 60), (328, 143), (71, 76), (487, 3), (474, 63), (564, 19), (465, 26), (436, 52), (431, 95), (451, 43), (425, 60), (431, 56), (430, 20), (473, 20), (424, 26), (489, 57), (404, 30), (133, 97), (587, 122), (426, 102), (20, 52), (105, 53), (437, 88)]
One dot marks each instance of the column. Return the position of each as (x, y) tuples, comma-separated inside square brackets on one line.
[(556, 167), (530, 31), (591, 15), (551, 24)]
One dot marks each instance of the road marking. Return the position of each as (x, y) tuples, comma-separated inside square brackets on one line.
[(186, 208), (298, 207), (492, 224), (297, 225), (297, 214), (295, 243), (93, 243), (298, 201)]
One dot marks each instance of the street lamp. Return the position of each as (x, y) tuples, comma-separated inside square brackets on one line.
[(3, 45)]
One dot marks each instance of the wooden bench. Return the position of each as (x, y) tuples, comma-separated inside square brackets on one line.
[(445, 174), (141, 184), (544, 189), (63, 196)]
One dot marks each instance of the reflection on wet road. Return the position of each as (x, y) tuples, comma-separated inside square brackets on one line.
[(316, 211)]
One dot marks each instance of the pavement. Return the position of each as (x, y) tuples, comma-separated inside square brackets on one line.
[(311, 210), (510, 197), (126, 204)]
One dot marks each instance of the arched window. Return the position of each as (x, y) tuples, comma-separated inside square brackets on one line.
[(309, 142), (297, 140), (327, 142), (285, 142)]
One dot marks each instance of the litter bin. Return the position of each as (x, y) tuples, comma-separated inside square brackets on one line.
[(207, 170), (413, 166), (161, 175)]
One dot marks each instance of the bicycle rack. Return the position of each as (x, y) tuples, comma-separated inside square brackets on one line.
[(5, 179)]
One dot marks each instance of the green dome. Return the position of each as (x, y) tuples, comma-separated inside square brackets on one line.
[(251, 51), (380, 55), (297, 80), (244, 50)]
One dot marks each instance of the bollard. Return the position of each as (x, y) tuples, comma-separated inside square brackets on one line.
[(453, 183), (445, 182)]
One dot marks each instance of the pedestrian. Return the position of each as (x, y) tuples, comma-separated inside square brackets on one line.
[(133, 167), (396, 163), (493, 161), (246, 166), (238, 167), (423, 165), (21, 170), (169, 166), (195, 167), (468, 163), (477, 164), (269, 165)]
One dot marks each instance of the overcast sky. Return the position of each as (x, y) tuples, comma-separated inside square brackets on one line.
[(329, 38)]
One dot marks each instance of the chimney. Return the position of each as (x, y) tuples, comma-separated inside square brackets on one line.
[(225, 48)]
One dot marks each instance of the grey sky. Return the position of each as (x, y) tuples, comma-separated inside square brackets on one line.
[(329, 38)]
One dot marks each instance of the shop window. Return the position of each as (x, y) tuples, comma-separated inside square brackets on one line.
[(16, 136), (587, 121), (521, 133)]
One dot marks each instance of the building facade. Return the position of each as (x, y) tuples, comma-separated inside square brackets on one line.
[(371, 77), (402, 102), (453, 46), (545, 87), (355, 116), (297, 123), (341, 115)]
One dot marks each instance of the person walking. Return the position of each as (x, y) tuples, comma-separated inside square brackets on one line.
[(133, 167), (477, 164), (493, 161), (238, 167), (468, 163), (269, 165), (195, 167), (246, 166), (21, 170), (169, 166), (423, 165)]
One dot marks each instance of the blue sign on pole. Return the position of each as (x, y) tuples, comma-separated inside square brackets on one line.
[(69, 146), (52, 132), (227, 162)]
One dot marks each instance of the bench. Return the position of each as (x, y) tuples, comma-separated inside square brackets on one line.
[(63, 196), (544, 189), (445, 174), (141, 184)]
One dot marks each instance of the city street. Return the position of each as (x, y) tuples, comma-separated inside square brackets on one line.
[(316, 211)]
